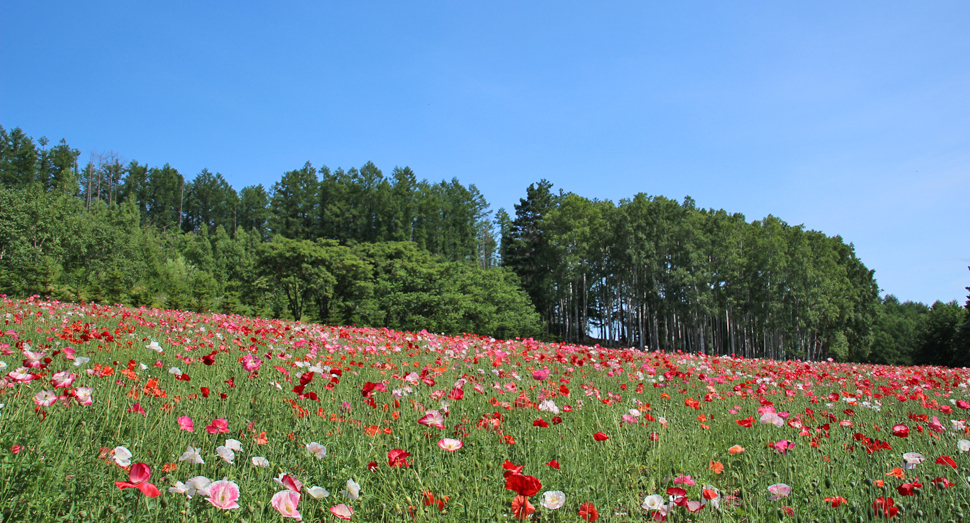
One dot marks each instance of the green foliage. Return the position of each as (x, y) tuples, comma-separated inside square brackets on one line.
[(937, 336)]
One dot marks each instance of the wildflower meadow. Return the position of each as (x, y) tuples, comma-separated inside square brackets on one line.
[(138, 414)]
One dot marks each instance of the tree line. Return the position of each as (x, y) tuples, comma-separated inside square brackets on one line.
[(653, 272), (359, 247), (347, 247)]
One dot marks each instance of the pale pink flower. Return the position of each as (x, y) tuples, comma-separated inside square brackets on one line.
[(318, 450), (34, 359), (20, 375), (342, 511), (259, 461), (285, 503), (778, 491), (450, 445), (45, 398), (83, 395), (770, 418), (63, 379), (226, 454), (122, 456), (223, 494)]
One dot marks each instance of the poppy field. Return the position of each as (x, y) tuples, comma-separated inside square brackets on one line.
[(137, 414)]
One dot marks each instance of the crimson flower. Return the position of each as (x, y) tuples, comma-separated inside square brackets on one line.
[(540, 423), (900, 431), (511, 468), (554, 464), (884, 507), (523, 485), (588, 512), (599, 436), (946, 460), (138, 478), (372, 466), (398, 458)]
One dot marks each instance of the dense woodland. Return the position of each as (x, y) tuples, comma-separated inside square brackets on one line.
[(359, 247)]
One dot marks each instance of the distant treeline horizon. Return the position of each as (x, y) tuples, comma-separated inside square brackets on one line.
[(360, 247)]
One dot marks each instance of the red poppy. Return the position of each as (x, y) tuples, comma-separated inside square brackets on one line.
[(943, 482), (554, 464), (946, 460), (540, 423), (398, 458), (745, 422), (599, 436), (884, 507), (138, 478), (556, 420), (588, 512), (900, 431), (836, 501), (521, 508), (523, 485)]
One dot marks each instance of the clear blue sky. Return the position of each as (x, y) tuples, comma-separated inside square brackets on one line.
[(852, 118)]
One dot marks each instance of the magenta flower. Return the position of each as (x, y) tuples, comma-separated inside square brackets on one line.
[(218, 425), (185, 423), (783, 446)]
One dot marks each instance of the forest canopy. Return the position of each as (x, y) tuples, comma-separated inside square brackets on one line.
[(358, 247)]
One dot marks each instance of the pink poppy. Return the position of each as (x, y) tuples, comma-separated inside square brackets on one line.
[(45, 398), (138, 478), (218, 425), (137, 409), (398, 458), (63, 379), (450, 445), (433, 418), (684, 480), (185, 423), (223, 494), (783, 446), (285, 502), (342, 511)]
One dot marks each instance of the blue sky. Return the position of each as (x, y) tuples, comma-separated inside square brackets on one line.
[(852, 118)]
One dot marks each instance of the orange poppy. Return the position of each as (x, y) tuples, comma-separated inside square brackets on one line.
[(521, 508), (716, 466)]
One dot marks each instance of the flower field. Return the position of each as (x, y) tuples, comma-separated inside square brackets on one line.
[(114, 413)]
